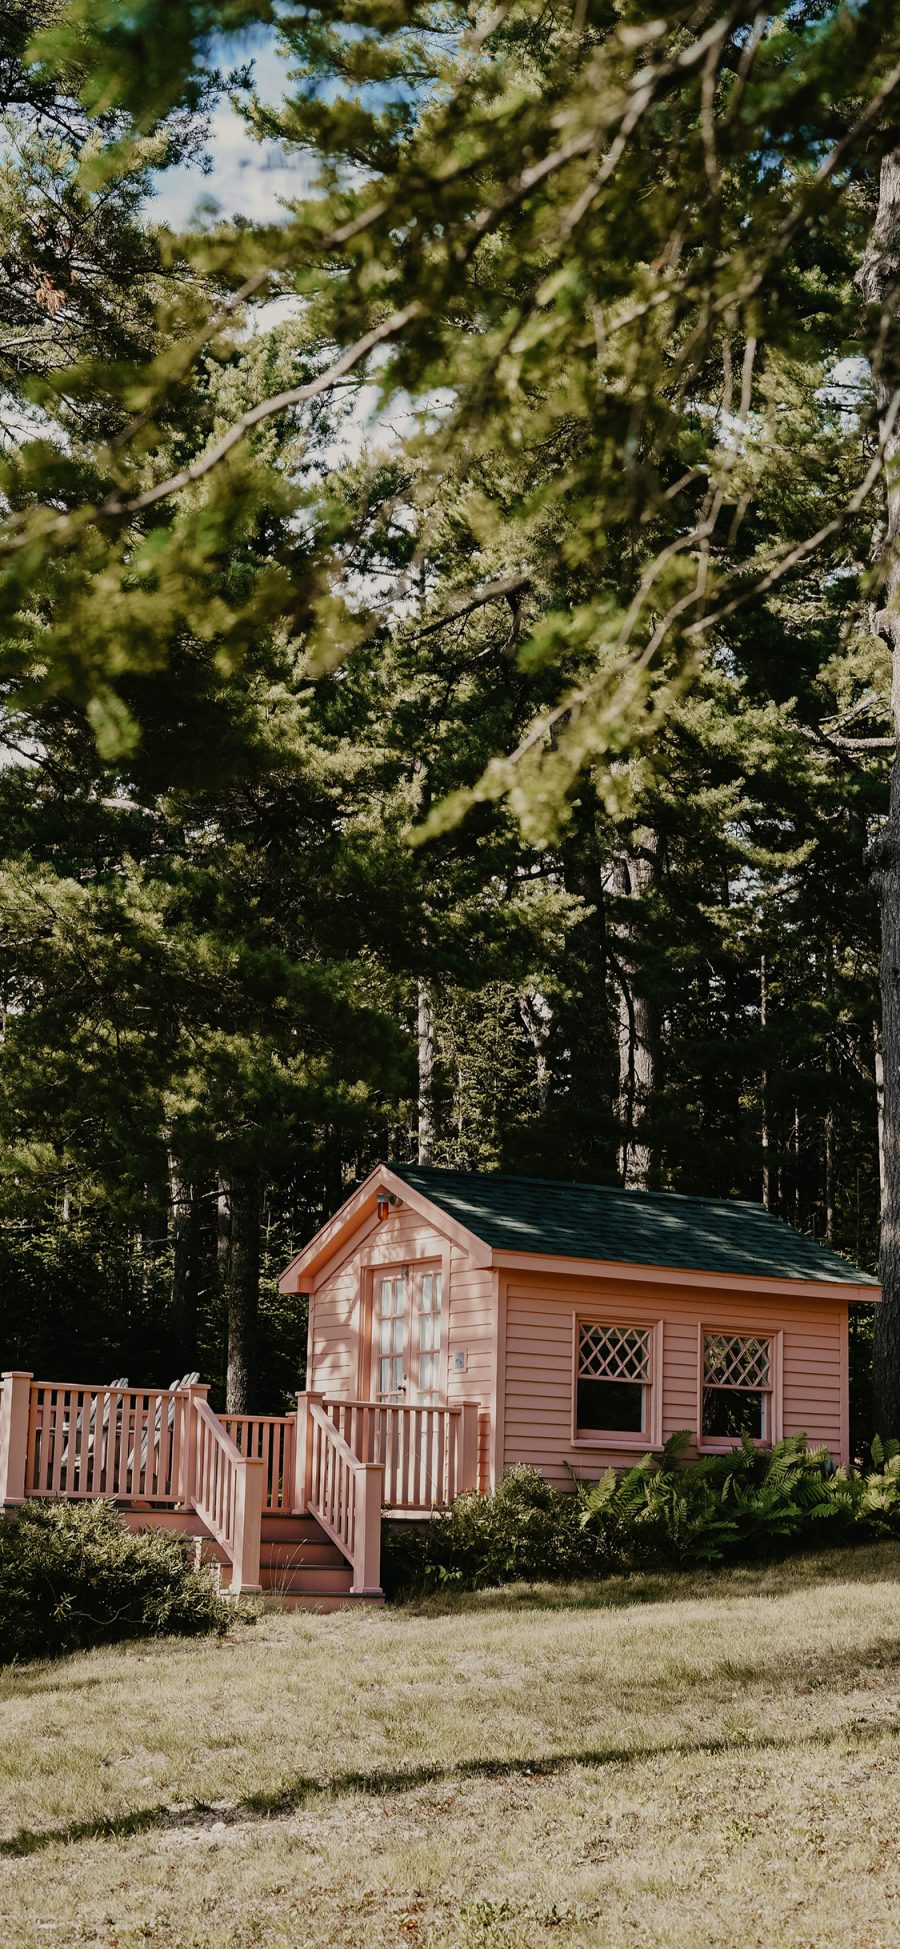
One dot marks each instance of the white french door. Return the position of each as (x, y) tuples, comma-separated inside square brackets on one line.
[(408, 1354)]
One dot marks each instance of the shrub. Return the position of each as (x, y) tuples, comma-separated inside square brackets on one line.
[(748, 1504), (72, 1575), (751, 1502), (524, 1531)]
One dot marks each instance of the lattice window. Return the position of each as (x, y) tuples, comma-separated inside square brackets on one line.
[(613, 1382), (734, 1360), (614, 1353), (737, 1382)]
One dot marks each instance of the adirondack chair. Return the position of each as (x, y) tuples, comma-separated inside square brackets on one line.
[(92, 1428), (175, 1387)]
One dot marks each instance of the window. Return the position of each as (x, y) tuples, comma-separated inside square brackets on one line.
[(391, 1330), (430, 1299), (737, 1387), (613, 1379)]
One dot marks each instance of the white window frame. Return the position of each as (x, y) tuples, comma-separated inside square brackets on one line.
[(650, 1437), (773, 1417)]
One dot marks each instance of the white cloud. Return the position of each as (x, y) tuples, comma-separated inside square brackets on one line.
[(247, 177)]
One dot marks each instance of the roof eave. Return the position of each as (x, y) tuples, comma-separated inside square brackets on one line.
[(505, 1260), (308, 1266)]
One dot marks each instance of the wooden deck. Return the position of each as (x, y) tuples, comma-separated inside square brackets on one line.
[(285, 1505)]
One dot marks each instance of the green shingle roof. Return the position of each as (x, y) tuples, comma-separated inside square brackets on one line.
[(600, 1221)]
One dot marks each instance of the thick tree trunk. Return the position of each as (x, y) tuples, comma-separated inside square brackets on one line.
[(634, 877), (185, 1265), (879, 281), (242, 1289), (426, 1074)]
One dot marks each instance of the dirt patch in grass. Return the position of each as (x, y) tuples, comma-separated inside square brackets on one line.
[(712, 1761)]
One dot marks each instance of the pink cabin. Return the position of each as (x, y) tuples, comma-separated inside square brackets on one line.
[(458, 1324), (587, 1322)]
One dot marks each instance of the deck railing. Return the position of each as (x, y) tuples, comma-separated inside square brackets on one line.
[(268, 1439), (125, 1442), (166, 1449), (343, 1493), (227, 1493), (429, 1454)]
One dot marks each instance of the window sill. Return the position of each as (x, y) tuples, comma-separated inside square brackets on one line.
[(726, 1444), (638, 1444)]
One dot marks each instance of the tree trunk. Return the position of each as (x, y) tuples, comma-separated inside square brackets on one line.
[(242, 1289), (879, 1107), (879, 281), (635, 875), (829, 1174), (764, 1108), (185, 1265), (426, 1074), (537, 1019)]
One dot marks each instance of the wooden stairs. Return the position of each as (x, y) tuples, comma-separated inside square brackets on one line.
[(299, 1567)]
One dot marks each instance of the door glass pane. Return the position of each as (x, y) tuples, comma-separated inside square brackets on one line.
[(427, 1342), (390, 1337)]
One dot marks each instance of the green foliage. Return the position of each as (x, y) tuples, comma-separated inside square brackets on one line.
[(751, 1503), (525, 1531), (72, 1575), (619, 410)]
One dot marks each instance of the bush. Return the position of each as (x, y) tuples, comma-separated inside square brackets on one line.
[(523, 1531), (72, 1575), (748, 1504)]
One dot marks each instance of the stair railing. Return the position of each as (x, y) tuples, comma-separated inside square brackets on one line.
[(343, 1494), (226, 1490)]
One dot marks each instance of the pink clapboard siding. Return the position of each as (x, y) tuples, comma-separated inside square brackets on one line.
[(537, 1364), (338, 1359), (338, 1331), (472, 1333)]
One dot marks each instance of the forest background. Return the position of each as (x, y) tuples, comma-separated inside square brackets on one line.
[(447, 642)]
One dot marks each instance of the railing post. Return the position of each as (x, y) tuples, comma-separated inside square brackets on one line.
[(248, 1502), (15, 1402), (187, 1446), (369, 1481), (468, 1444), (303, 1450)]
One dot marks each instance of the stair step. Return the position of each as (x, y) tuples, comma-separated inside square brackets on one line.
[(307, 1581), (299, 1556), (278, 1528)]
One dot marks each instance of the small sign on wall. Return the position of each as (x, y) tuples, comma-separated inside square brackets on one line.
[(460, 1361)]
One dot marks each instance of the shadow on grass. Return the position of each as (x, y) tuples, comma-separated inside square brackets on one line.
[(299, 1793), (864, 1563)]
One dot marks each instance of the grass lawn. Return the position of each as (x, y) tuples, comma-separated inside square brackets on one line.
[(675, 1761)]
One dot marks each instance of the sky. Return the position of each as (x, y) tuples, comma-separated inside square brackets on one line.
[(247, 177)]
